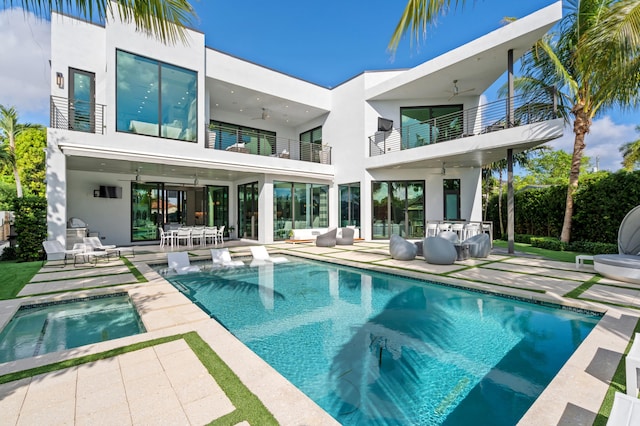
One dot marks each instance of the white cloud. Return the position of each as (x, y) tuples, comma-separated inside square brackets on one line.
[(603, 142), (25, 72)]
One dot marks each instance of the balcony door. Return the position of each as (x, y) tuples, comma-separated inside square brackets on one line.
[(82, 95)]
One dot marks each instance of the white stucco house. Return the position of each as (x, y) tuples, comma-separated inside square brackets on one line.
[(145, 134)]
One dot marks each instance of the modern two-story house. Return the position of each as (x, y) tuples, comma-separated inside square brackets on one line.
[(145, 134)]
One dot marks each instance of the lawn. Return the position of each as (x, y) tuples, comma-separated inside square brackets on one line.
[(561, 256), (14, 276)]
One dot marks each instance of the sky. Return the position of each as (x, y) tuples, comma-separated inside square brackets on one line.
[(324, 42)]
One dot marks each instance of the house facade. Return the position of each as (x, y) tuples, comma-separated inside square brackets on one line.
[(144, 134)]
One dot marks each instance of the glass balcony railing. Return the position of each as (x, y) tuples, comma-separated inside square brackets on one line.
[(79, 116), (486, 118), (246, 142)]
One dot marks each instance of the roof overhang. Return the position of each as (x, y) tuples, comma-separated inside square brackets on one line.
[(476, 65)]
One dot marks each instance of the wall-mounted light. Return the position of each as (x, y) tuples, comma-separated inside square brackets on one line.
[(60, 80)]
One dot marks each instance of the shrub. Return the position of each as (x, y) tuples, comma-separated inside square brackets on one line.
[(31, 227), (593, 248), (548, 243)]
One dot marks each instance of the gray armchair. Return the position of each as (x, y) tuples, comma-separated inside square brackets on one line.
[(439, 251), (479, 245), (347, 237), (328, 239), (401, 249)]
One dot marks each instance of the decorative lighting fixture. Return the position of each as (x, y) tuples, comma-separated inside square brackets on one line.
[(196, 181), (138, 175), (60, 80), (443, 171)]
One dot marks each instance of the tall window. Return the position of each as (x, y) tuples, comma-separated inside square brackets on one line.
[(255, 141), (299, 206), (398, 208), (248, 194), (350, 204), (425, 125), (451, 190), (155, 99), (311, 144)]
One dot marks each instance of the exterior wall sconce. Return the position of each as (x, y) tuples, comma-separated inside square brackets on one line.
[(60, 80)]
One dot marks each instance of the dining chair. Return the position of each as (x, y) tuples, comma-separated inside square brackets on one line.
[(183, 234), (220, 234), (210, 234), (197, 234)]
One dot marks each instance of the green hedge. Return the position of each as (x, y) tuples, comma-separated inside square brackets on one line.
[(31, 227), (600, 204)]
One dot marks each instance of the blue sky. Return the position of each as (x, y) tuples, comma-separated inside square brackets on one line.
[(324, 42)]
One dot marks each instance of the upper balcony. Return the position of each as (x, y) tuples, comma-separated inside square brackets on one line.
[(488, 118)]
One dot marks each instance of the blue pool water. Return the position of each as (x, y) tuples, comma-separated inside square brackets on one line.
[(373, 348), (52, 327)]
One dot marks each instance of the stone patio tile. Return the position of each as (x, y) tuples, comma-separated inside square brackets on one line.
[(512, 279), (109, 398), (544, 263), (12, 397), (420, 265), (157, 319), (621, 296), (46, 413), (96, 383), (540, 270), (157, 301), (314, 249), (69, 273), (75, 284), (153, 400), (359, 256), (170, 348), (207, 409), (111, 416), (104, 366)]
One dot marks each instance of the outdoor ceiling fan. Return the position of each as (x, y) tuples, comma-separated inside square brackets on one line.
[(264, 116), (455, 91)]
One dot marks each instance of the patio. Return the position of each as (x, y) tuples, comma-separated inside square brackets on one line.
[(148, 384)]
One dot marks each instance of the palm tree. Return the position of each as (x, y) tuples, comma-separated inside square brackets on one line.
[(166, 19), (9, 130), (594, 59), (631, 153)]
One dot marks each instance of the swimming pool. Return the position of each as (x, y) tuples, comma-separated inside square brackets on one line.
[(373, 348), (51, 327)]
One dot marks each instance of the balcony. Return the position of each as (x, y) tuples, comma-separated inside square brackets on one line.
[(76, 115), (246, 142), (491, 117)]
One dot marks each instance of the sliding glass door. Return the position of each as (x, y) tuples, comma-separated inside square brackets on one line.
[(398, 208), (299, 206), (248, 210)]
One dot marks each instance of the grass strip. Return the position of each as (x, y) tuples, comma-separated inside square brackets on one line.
[(14, 276), (141, 278), (618, 384), (248, 406), (84, 359), (561, 256), (577, 292)]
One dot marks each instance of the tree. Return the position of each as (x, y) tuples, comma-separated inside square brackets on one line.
[(551, 167), (631, 153), (593, 59), (9, 130), (165, 19), (31, 160)]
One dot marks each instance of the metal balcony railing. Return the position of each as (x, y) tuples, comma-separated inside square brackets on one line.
[(247, 142), (76, 115), (486, 118)]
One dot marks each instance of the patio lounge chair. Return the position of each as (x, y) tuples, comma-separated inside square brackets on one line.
[(328, 239), (222, 257), (260, 254), (625, 410), (624, 266), (96, 245), (55, 251), (347, 237), (179, 262), (401, 249)]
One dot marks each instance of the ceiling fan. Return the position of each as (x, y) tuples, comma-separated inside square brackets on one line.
[(264, 116), (455, 91)]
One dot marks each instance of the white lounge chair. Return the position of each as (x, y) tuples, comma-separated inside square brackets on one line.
[(55, 251), (179, 262), (222, 257), (96, 245), (260, 254), (625, 411)]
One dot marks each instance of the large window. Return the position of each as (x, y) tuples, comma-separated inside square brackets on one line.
[(451, 190), (155, 99), (232, 137), (350, 204), (299, 206), (248, 210), (430, 124), (398, 208)]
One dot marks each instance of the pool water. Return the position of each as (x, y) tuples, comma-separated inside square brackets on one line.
[(374, 348), (53, 327)]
